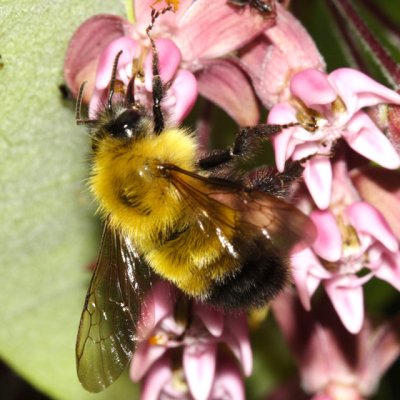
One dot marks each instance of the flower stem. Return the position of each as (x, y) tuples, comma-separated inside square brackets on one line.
[(389, 67)]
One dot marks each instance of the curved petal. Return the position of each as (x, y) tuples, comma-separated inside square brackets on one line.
[(86, 45), (328, 244), (380, 188), (184, 89), (144, 357), (301, 150), (303, 262), (199, 362), (105, 64), (358, 90), (225, 84), (282, 114), (212, 318), (96, 103), (318, 178), (365, 138), (285, 48), (389, 269), (383, 350), (312, 87), (347, 298), (228, 383), (156, 379), (236, 336), (367, 219), (169, 58), (211, 29)]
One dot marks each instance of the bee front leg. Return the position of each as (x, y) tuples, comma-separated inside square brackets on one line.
[(246, 144)]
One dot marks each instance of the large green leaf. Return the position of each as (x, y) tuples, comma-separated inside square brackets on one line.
[(47, 230)]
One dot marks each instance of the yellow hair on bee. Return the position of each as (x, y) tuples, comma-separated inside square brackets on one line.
[(145, 205), (130, 188)]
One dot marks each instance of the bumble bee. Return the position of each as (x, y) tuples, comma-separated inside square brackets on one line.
[(264, 7), (219, 236)]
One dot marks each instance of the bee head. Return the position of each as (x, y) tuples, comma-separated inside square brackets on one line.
[(126, 123)]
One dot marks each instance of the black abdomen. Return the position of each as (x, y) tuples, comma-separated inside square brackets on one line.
[(260, 279)]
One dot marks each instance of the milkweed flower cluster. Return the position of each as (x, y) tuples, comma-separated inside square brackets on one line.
[(352, 234), (179, 359), (344, 130)]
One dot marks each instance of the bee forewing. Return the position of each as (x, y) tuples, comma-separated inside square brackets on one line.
[(282, 223), (115, 302)]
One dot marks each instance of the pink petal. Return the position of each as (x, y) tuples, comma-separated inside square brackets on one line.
[(365, 138), (199, 364), (358, 90), (97, 101), (383, 350), (302, 150), (228, 383), (184, 89), (105, 64), (212, 318), (213, 29), (338, 390), (162, 294), (312, 87), (169, 58), (225, 84), (324, 350), (236, 336), (381, 189), (368, 219), (347, 297), (389, 270), (282, 114), (156, 379), (271, 61), (144, 357), (318, 178), (86, 45), (303, 262), (328, 244)]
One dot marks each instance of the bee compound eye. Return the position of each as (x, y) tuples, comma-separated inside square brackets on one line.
[(125, 125)]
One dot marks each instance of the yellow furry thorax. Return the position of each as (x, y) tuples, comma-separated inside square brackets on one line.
[(128, 169), (143, 204)]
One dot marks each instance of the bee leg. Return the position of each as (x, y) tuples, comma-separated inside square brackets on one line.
[(246, 143), (269, 180)]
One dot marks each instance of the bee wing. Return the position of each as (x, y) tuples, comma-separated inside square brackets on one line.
[(115, 301), (256, 213)]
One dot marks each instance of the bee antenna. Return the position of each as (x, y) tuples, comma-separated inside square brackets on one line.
[(130, 91), (158, 91), (112, 81), (78, 119)]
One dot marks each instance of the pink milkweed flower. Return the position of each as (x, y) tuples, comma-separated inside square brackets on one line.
[(333, 363), (275, 56), (354, 243), (164, 380), (181, 94), (194, 344), (204, 35), (328, 108)]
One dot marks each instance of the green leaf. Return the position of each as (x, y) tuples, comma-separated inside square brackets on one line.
[(48, 231)]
